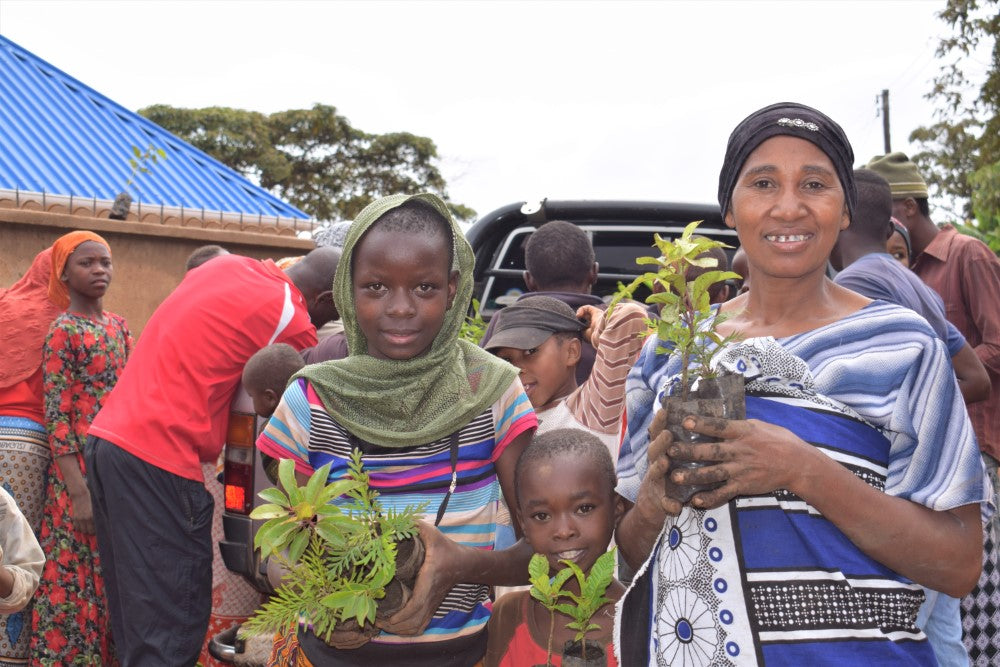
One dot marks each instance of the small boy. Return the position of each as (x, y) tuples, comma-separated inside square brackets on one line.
[(21, 557), (565, 488), (266, 374)]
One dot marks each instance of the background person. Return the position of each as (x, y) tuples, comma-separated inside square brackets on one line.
[(898, 244), (168, 416), (559, 263), (856, 439), (26, 312), (966, 273), (84, 354), (21, 558)]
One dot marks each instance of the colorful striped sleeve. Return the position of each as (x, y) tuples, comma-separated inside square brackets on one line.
[(512, 416), (286, 434)]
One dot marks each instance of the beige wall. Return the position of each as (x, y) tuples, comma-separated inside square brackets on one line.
[(148, 258)]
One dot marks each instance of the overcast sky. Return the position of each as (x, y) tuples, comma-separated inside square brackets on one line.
[(524, 100)]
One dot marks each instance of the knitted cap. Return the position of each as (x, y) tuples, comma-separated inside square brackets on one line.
[(904, 178)]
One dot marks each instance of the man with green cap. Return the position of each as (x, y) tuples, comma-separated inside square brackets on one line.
[(966, 273)]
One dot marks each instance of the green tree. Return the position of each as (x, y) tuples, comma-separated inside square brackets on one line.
[(965, 140), (313, 158)]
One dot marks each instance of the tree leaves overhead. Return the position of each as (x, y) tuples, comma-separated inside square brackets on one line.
[(966, 138), (313, 158)]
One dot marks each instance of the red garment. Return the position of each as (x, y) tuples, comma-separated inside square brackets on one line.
[(170, 408), (966, 273), (25, 316), (514, 641), (24, 399)]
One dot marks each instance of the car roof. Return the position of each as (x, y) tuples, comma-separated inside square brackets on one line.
[(489, 231)]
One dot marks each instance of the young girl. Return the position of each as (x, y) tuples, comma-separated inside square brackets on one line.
[(568, 508), (84, 354), (437, 420)]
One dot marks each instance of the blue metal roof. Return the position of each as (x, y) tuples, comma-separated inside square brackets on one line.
[(61, 137)]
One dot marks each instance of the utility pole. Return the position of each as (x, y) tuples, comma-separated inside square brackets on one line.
[(885, 120)]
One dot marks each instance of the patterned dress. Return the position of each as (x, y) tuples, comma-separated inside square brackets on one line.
[(83, 359)]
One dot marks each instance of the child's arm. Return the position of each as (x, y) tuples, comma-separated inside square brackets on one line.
[(618, 340), (448, 563), (21, 558)]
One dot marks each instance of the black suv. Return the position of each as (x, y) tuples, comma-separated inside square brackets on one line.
[(620, 231)]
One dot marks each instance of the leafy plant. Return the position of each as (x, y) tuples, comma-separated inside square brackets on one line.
[(687, 320), (547, 591), (583, 605), (141, 159), (339, 557), (473, 327)]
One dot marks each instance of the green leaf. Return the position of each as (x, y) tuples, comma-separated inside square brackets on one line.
[(136, 152), (316, 483), (274, 495), (286, 475), (298, 545), (270, 511)]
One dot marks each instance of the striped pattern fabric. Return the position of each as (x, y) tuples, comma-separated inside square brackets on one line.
[(767, 579), (598, 403), (302, 430)]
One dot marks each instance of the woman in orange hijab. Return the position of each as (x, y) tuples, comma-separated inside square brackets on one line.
[(84, 354), (25, 316)]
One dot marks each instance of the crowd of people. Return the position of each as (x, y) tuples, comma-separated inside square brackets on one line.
[(851, 516)]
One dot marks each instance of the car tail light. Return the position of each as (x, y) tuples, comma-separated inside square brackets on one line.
[(238, 465)]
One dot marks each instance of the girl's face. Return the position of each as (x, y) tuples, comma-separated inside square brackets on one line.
[(788, 207), (403, 286), (896, 246), (88, 270), (567, 510)]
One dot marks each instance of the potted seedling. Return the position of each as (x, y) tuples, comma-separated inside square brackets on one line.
[(687, 325), (583, 602), (347, 563), (139, 164)]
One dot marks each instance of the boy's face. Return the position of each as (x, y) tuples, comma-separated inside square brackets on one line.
[(264, 400), (403, 287), (567, 510), (548, 372)]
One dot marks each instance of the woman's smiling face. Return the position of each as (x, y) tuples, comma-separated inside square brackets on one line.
[(788, 207)]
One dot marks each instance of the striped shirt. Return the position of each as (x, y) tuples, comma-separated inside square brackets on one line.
[(302, 430)]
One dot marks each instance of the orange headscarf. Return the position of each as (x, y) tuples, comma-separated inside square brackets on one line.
[(61, 250), (25, 316)]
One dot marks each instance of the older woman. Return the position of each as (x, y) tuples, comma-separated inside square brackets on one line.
[(856, 477)]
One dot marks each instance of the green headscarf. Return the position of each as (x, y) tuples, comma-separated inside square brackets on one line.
[(402, 403)]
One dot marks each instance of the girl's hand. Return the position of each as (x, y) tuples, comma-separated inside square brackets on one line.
[(752, 457), (82, 512), (436, 577)]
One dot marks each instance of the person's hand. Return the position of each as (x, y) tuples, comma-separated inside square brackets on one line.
[(654, 502), (596, 320), (82, 512), (435, 578), (752, 457)]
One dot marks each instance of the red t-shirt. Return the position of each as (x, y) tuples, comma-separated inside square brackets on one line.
[(24, 399), (170, 406)]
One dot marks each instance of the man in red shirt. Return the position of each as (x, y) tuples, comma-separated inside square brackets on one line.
[(167, 415), (966, 273)]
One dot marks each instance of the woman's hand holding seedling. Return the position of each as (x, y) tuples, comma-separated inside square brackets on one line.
[(751, 457)]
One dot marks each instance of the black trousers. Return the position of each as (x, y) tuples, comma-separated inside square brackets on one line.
[(154, 535)]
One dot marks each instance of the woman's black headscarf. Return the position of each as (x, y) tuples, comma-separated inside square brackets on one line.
[(796, 120)]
